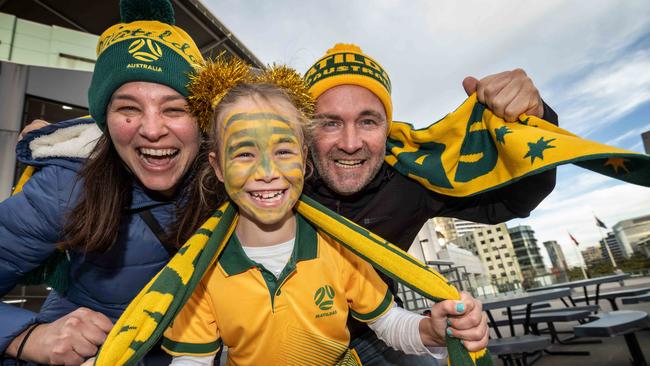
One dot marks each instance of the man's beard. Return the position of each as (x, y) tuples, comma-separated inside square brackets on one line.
[(340, 181)]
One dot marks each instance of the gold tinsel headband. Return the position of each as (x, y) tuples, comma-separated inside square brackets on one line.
[(213, 80)]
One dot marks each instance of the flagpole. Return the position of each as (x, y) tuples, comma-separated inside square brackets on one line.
[(609, 251), (581, 260), (582, 263)]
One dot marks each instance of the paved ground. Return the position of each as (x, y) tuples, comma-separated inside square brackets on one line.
[(613, 351)]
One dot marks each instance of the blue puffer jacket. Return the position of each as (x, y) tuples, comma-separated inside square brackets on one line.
[(30, 226)]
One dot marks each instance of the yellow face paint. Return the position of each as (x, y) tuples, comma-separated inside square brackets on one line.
[(262, 164)]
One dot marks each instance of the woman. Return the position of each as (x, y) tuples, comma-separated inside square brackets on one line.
[(105, 213)]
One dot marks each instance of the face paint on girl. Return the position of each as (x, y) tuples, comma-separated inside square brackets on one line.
[(262, 163)]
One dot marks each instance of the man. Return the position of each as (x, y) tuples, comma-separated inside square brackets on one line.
[(353, 114)]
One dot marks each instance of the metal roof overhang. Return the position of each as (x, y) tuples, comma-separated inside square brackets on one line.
[(210, 35)]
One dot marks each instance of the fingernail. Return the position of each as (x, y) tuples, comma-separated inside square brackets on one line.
[(463, 343), (460, 307), (448, 322), (449, 332)]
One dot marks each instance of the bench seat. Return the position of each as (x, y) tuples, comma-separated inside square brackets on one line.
[(562, 315), (615, 323), (528, 343), (614, 294), (636, 299)]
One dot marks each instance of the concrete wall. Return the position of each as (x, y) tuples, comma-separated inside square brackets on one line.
[(13, 84), (31, 43)]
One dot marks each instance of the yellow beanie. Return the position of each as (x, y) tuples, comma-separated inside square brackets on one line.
[(347, 64)]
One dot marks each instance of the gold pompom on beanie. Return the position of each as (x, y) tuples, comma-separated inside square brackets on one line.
[(347, 64), (213, 80)]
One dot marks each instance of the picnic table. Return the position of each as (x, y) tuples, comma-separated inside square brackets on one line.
[(597, 281), (525, 344), (615, 323), (524, 298)]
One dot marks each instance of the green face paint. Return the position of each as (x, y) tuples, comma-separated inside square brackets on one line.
[(263, 165)]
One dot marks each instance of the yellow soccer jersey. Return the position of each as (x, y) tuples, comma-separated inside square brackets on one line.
[(299, 318)]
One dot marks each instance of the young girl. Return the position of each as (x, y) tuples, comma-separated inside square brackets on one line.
[(281, 291)]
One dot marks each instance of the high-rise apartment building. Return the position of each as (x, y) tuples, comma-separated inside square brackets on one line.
[(615, 248), (526, 250), (556, 255)]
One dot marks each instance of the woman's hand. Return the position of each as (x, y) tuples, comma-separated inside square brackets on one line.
[(67, 341)]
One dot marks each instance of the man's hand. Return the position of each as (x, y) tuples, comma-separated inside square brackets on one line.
[(462, 319), (508, 94), (34, 125), (89, 362), (67, 341)]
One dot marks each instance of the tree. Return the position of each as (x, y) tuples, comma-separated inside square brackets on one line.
[(575, 274), (636, 263), (600, 268)]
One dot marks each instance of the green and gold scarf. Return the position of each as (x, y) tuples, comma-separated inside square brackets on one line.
[(472, 151), (149, 314)]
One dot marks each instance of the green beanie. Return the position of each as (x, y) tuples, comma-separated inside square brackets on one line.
[(145, 46)]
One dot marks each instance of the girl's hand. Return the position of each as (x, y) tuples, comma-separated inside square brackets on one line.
[(462, 319)]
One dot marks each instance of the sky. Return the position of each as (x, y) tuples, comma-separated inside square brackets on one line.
[(590, 61)]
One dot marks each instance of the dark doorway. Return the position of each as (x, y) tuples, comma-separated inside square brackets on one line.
[(48, 110)]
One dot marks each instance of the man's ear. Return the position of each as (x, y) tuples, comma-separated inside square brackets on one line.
[(214, 162)]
